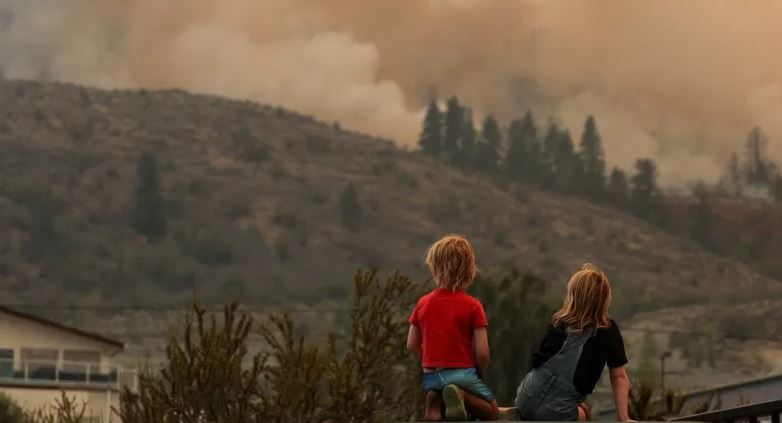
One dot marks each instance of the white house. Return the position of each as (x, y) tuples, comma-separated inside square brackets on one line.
[(40, 359)]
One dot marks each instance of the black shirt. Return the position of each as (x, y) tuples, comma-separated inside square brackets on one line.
[(605, 347)]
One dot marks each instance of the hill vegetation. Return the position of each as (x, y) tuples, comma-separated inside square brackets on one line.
[(722, 217), (138, 197)]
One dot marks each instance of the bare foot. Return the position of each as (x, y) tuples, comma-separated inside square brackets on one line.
[(434, 407)]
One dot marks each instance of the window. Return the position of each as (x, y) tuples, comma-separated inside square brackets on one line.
[(40, 363), (80, 365), (6, 363), (81, 356), (39, 354)]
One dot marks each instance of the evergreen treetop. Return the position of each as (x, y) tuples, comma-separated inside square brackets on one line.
[(618, 191), (149, 214), (592, 160), (453, 131), (430, 139), (350, 208)]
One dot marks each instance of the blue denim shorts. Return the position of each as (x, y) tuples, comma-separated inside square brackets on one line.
[(466, 379)]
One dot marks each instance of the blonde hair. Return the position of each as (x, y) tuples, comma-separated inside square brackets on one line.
[(451, 260), (587, 300)]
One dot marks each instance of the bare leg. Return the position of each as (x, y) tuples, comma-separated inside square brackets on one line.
[(479, 407), (434, 407)]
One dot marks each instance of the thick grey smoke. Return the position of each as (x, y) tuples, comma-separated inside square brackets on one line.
[(682, 82)]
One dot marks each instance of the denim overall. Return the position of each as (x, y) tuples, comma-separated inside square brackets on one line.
[(548, 393)]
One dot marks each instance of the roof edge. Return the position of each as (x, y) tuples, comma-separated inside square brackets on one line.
[(60, 326)]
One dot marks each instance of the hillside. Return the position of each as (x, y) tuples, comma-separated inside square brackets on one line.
[(252, 201), (749, 230)]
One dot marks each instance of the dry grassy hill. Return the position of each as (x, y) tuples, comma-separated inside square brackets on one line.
[(253, 212), (747, 229)]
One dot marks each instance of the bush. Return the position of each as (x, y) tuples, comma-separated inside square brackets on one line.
[(210, 251), (350, 208), (236, 207), (282, 250), (255, 152), (64, 410), (209, 376), (10, 412), (446, 209), (318, 144), (515, 303)]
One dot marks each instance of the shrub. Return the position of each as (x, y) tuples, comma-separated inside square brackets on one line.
[(445, 209), (209, 376), (647, 405), (205, 377), (516, 304), (318, 144), (236, 207), (64, 410), (282, 250), (212, 252), (212, 248), (350, 208), (254, 152), (10, 412)]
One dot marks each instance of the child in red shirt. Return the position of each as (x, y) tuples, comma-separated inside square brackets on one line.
[(448, 334)]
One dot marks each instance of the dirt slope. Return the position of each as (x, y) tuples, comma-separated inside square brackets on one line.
[(253, 211)]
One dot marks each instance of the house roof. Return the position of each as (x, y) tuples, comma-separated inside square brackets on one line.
[(50, 323)]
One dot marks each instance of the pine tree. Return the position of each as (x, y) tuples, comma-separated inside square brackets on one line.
[(454, 127), (592, 161), (618, 192), (513, 164), (778, 188), (43, 240), (646, 199), (350, 208), (149, 214), (431, 136), (533, 168), (467, 150), (487, 150), (757, 170), (523, 160), (734, 180), (702, 219), (561, 163), (551, 146)]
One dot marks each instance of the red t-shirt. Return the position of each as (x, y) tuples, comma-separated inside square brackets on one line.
[(447, 320)]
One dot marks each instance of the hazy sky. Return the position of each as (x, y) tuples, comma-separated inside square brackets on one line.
[(679, 81)]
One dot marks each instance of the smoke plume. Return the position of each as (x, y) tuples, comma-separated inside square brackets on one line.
[(681, 82)]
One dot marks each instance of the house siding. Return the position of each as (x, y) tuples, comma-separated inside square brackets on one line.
[(18, 332)]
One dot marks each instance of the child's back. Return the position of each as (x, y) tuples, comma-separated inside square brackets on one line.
[(448, 333), (447, 320)]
